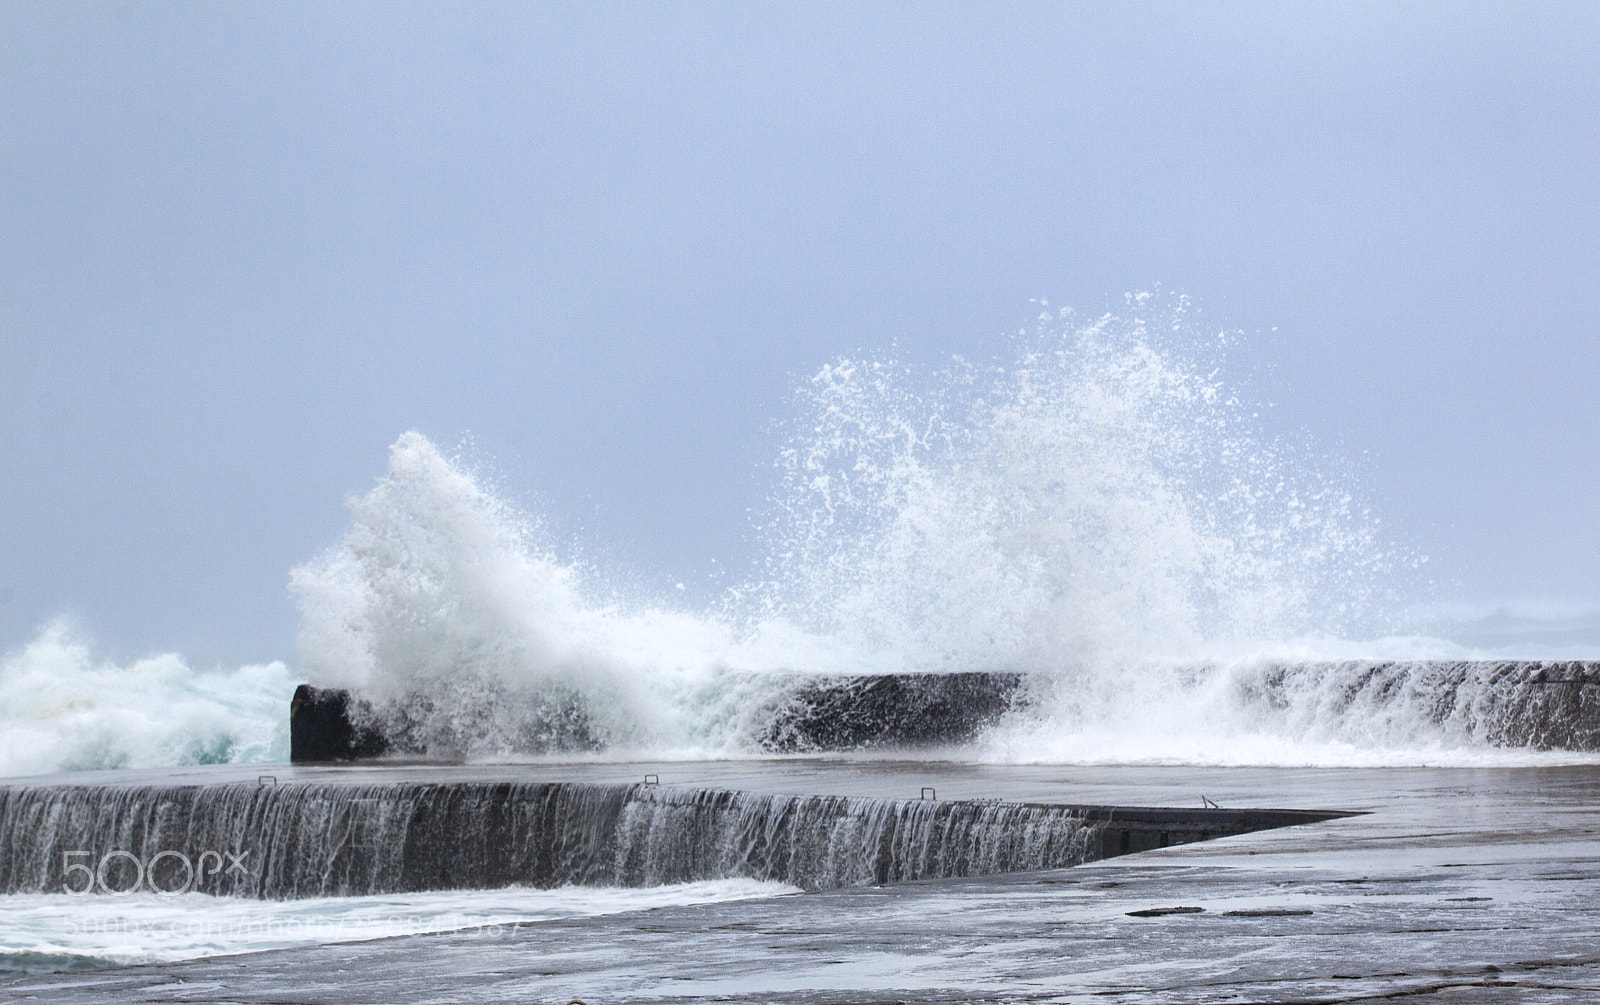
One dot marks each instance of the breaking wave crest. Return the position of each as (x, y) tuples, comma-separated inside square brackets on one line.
[(442, 607), (65, 710), (1100, 513)]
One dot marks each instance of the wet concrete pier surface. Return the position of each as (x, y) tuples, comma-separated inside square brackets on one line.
[(1457, 885)]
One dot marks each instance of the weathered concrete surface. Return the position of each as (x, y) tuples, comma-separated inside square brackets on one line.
[(907, 710), (1461, 885)]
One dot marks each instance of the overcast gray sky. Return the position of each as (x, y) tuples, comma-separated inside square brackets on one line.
[(242, 248)]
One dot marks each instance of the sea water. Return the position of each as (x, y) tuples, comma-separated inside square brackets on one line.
[(1100, 511), (44, 932)]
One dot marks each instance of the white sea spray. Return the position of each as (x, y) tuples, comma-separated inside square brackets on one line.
[(1099, 510)]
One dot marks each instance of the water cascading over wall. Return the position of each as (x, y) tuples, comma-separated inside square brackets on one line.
[(310, 840), (1541, 705)]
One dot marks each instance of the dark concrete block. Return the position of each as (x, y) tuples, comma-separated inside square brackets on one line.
[(321, 728)]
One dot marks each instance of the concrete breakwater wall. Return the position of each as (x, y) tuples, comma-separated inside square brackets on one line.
[(1540, 705), (334, 839), (1498, 703), (801, 713)]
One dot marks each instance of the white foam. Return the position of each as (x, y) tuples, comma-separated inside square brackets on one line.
[(63, 710), (441, 599), (147, 928)]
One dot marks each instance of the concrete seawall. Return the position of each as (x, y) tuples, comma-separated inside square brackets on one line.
[(337, 839), (1505, 703)]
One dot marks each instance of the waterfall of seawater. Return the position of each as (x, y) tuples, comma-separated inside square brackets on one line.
[(311, 840)]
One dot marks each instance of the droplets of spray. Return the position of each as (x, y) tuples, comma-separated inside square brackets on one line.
[(1101, 496)]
